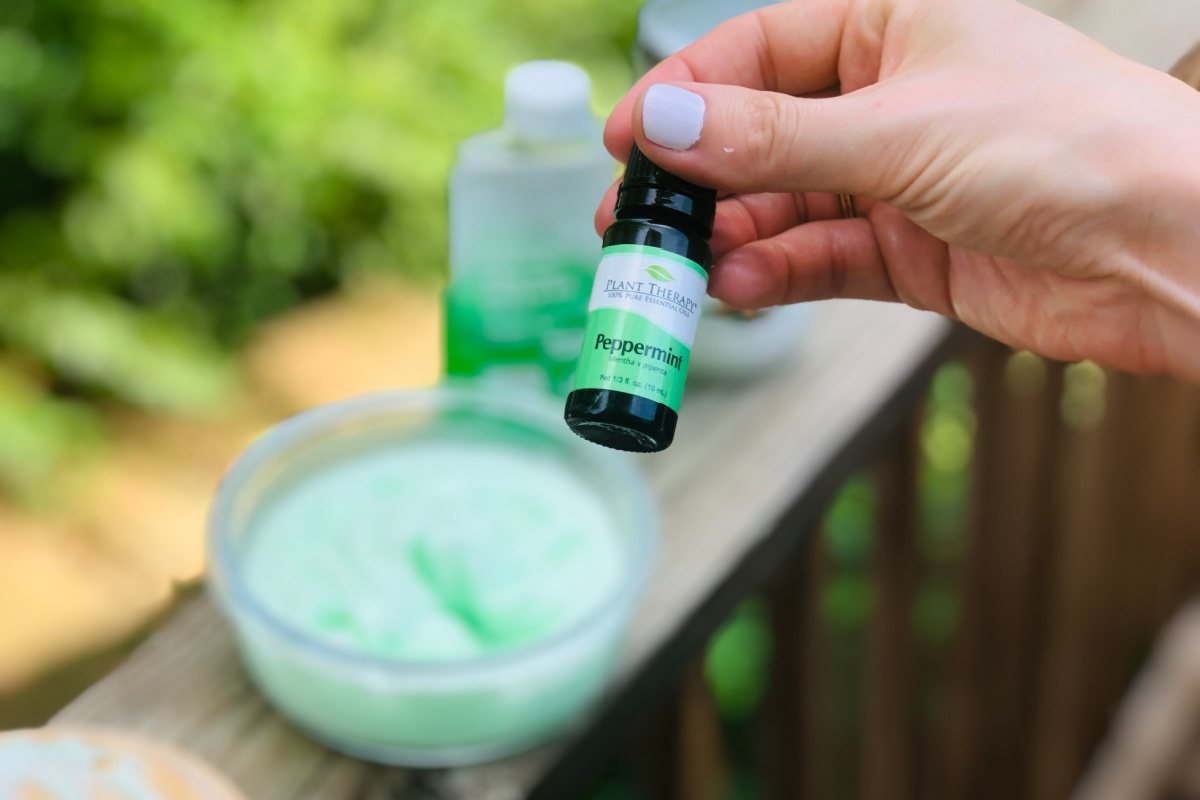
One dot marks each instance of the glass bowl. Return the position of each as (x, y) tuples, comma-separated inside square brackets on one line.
[(419, 713)]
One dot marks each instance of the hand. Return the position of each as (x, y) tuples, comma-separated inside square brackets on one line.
[(1010, 172)]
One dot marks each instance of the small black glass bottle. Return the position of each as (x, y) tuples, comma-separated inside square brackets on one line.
[(643, 312)]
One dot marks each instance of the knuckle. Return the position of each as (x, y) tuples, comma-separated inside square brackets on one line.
[(769, 125)]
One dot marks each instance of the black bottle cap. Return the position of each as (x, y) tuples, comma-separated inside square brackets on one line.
[(647, 185)]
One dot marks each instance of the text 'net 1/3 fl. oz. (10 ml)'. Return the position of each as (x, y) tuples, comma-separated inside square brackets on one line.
[(643, 312)]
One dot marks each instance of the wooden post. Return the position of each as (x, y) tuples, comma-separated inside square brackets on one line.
[(1008, 547), (792, 721), (701, 765), (779, 722), (678, 752), (889, 722), (652, 753), (1080, 598)]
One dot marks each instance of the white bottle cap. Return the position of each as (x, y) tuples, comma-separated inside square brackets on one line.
[(548, 101)]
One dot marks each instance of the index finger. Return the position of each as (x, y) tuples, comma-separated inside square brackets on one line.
[(790, 47)]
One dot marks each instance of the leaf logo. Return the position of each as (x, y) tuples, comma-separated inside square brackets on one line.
[(659, 273)]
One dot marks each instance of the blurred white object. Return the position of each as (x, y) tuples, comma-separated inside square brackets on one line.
[(523, 249), (732, 346), (665, 26), (64, 763), (1156, 34), (547, 102)]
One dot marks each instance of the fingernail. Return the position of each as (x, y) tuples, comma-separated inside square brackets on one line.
[(672, 117)]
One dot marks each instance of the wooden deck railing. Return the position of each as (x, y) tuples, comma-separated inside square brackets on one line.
[(1083, 539)]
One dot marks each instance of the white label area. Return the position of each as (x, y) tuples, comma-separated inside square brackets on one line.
[(662, 287)]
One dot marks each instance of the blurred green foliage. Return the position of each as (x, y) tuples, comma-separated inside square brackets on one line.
[(948, 447), (174, 173), (39, 432), (850, 527), (947, 444), (736, 662)]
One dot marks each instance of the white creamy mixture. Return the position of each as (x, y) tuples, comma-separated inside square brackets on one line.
[(435, 551)]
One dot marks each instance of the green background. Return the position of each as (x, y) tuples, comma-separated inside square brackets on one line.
[(176, 173)]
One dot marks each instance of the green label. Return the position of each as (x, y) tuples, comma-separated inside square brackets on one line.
[(518, 318), (641, 323), (628, 353)]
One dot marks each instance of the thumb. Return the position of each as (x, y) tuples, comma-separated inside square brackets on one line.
[(741, 140)]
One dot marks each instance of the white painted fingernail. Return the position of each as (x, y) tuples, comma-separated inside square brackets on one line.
[(672, 117)]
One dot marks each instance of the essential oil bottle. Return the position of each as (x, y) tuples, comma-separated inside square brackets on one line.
[(643, 311)]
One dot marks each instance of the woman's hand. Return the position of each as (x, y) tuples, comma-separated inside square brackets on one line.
[(1010, 172)]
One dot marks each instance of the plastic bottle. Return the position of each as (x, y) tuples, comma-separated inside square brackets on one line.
[(522, 243)]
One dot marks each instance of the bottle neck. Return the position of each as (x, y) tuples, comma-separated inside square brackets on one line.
[(659, 233), (667, 203), (663, 215)]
